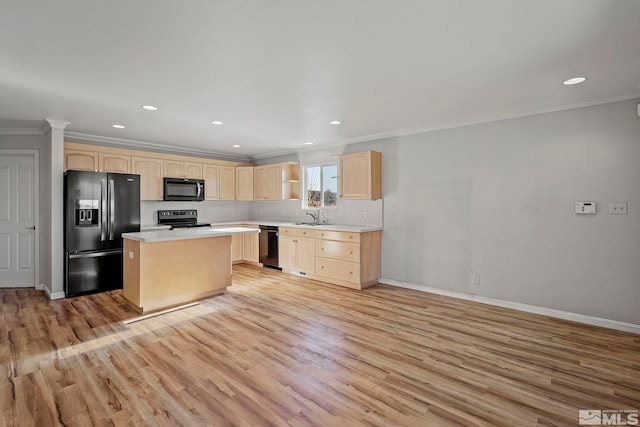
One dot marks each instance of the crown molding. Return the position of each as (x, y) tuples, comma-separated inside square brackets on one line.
[(150, 146), (54, 124), (543, 109), (456, 124)]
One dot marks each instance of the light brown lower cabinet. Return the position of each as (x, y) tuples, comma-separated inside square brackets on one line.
[(296, 254), (342, 258), (236, 248), (244, 247)]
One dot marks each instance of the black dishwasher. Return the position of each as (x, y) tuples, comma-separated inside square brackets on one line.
[(268, 247)]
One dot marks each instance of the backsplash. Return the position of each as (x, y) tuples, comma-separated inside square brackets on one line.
[(347, 212), (208, 211)]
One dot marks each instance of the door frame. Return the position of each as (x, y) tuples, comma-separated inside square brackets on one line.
[(36, 206)]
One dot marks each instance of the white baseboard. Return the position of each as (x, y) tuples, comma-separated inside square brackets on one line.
[(52, 296), (566, 315)]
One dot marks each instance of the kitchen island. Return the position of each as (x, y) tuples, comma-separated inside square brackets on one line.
[(167, 268)]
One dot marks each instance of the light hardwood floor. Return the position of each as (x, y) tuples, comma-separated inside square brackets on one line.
[(285, 351)]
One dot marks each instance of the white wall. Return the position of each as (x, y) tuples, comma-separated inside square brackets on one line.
[(497, 200)]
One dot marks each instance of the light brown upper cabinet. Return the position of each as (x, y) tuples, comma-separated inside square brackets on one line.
[(244, 182), (280, 181), (109, 162), (96, 161), (151, 174), (219, 182), (80, 160), (211, 175), (260, 190), (178, 169), (361, 175), (227, 183)]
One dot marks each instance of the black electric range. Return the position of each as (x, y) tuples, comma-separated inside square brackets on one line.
[(180, 218)]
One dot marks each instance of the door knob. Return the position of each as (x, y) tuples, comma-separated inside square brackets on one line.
[(33, 227)]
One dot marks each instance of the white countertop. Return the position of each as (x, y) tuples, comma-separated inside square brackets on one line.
[(328, 227), (164, 235)]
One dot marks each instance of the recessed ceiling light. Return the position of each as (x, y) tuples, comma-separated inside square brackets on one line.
[(150, 107), (335, 122), (236, 146), (118, 126), (309, 143), (574, 81), (217, 122)]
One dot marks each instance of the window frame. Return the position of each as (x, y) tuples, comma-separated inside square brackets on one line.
[(305, 206)]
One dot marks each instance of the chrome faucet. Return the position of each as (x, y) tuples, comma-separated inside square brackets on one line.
[(315, 216)]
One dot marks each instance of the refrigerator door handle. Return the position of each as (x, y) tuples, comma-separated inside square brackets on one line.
[(94, 254), (103, 208), (112, 208)]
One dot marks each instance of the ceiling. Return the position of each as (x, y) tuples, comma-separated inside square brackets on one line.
[(277, 72)]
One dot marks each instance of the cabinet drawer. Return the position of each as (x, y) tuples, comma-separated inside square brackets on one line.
[(339, 235), (339, 270), (287, 231), (305, 232), (334, 249)]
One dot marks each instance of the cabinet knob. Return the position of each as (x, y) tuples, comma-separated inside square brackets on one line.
[(322, 266)]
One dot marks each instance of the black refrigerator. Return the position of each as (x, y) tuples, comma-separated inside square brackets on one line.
[(99, 207)]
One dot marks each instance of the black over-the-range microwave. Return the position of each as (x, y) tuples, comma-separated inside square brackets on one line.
[(184, 189)]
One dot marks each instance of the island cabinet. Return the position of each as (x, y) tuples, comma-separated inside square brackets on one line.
[(165, 268), (348, 259), (296, 247), (360, 175), (159, 275)]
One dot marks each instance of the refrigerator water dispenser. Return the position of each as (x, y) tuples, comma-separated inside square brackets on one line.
[(87, 213)]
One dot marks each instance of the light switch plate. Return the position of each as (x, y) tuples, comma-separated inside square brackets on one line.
[(618, 208), (586, 208)]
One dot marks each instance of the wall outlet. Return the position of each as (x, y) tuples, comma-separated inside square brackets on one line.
[(130, 254), (618, 208), (474, 283), (365, 214)]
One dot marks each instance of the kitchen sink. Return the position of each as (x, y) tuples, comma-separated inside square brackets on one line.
[(307, 223)]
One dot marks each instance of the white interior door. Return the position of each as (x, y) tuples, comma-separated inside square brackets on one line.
[(18, 192)]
